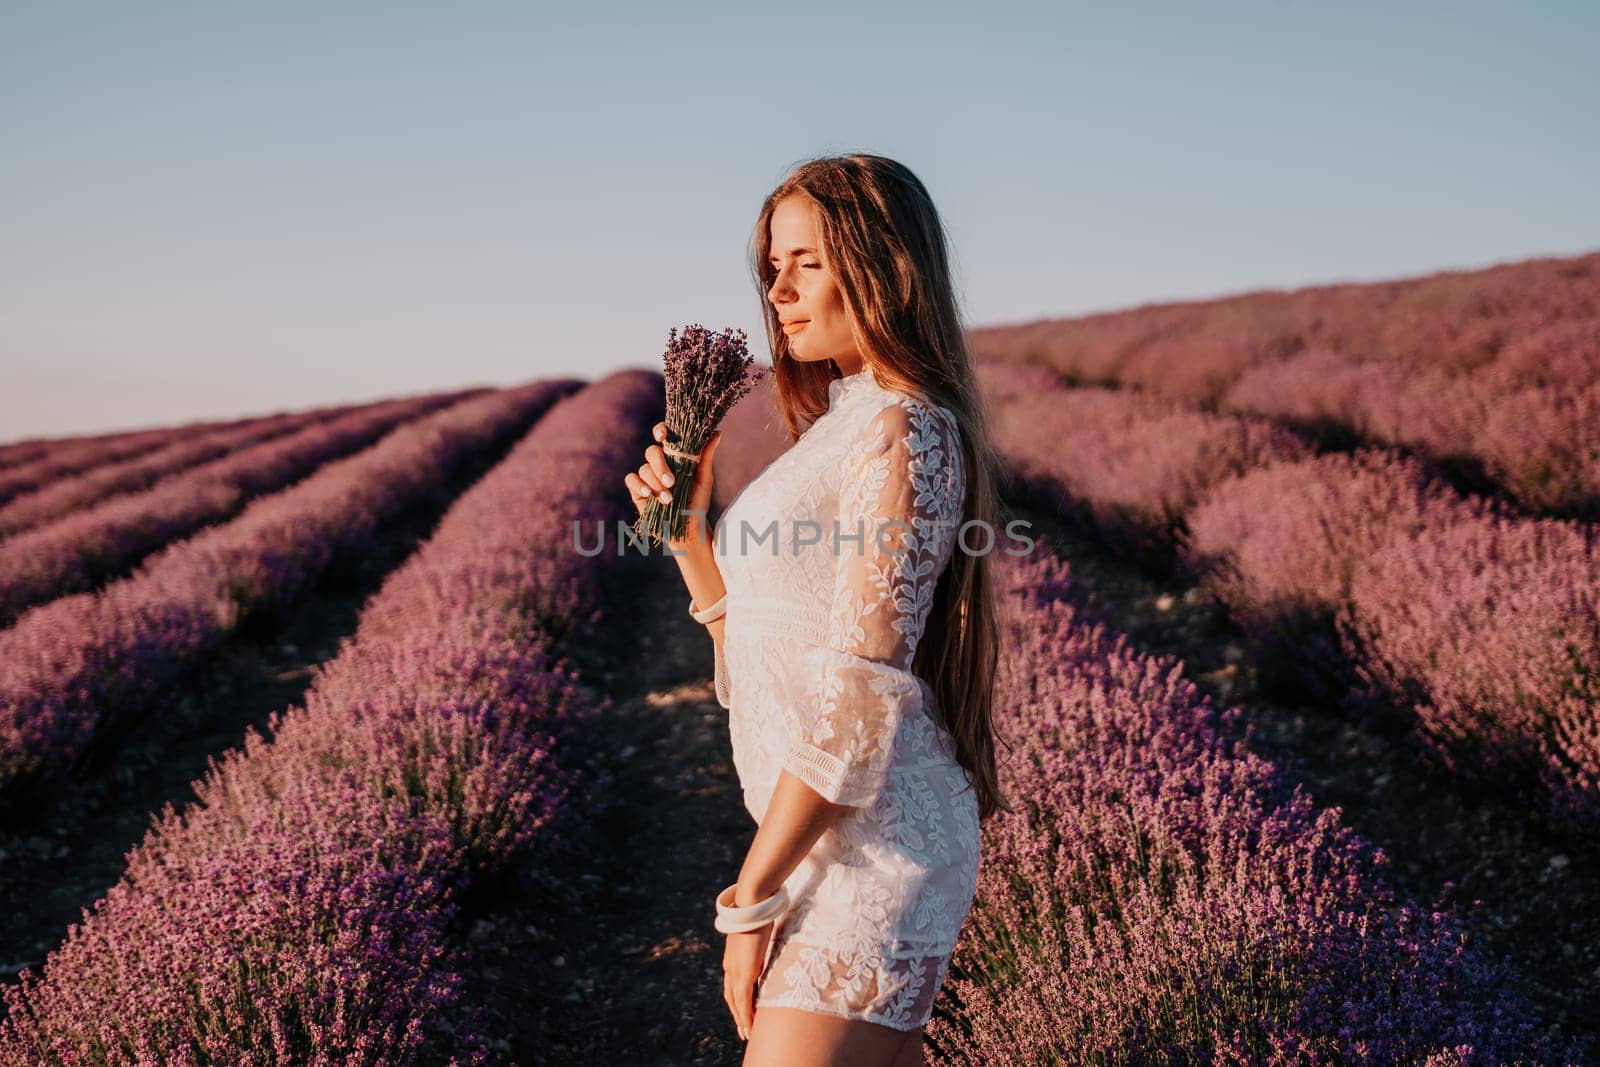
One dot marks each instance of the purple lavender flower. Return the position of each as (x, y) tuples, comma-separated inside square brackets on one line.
[(706, 375)]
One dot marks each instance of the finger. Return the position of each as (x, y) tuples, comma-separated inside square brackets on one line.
[(639, 491), (648, 475), (730, 993), (733, 1011), (658, 460), (745, 1011), (702, 471)]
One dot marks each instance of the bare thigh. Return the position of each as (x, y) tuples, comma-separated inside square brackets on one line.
[(792, 1037)]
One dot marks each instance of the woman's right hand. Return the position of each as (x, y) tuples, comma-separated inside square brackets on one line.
[(654, 477)]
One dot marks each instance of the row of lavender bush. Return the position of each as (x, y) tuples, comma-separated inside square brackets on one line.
[(297, 912), (1161, 896), (68, 494), (75, 667), (81, 550), (1377, 582), (29, 449), (1539, 442), (1357, 575), (75, 455), (1127, 465), (1457, 321), (1493, 373)]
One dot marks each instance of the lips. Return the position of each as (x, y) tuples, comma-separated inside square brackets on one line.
[(794, 325)]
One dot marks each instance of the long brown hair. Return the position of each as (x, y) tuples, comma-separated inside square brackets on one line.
[(888, 248)]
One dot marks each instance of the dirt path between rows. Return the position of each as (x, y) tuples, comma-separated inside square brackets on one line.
[(601, 950)]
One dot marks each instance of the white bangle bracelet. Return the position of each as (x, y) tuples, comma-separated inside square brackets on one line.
[(732, 920), (711, 614)]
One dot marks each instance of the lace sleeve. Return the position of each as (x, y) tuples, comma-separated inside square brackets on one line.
[(900, 504)]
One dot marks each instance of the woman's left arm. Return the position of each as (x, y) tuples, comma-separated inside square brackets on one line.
[(795, 817)]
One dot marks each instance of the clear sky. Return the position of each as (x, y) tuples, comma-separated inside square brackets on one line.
[(219, 209)]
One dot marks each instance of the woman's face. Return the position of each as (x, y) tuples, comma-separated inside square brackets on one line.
[(805, 292)]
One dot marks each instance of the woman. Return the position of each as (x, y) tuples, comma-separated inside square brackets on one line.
[(856, 649)]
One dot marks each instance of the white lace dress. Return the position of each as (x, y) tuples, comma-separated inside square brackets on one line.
[(816, 673)]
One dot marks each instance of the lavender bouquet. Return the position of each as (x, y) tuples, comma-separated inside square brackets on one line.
[(706, 375)]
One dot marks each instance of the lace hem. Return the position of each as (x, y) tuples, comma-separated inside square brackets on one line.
[(823, 772), (897, 992)]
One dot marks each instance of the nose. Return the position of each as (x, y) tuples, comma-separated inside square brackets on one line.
[(781, 291)]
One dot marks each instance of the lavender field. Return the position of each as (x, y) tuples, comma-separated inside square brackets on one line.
[(322, 743)]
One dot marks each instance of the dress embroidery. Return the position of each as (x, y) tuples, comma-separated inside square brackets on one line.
[(831, 557)]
